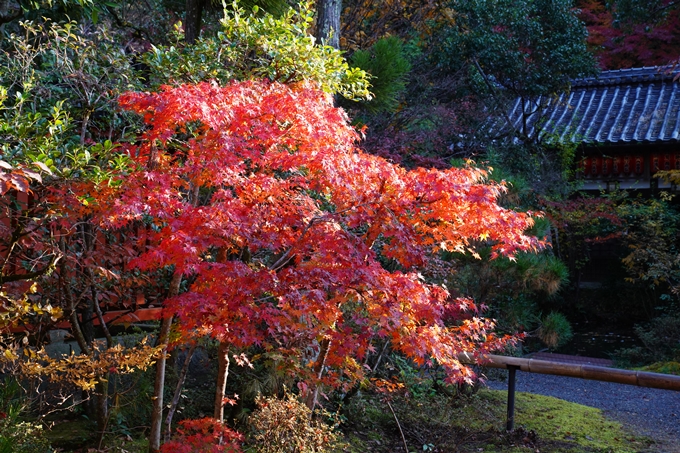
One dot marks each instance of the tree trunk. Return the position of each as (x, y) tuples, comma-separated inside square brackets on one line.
[(159, 384), (192, 20), (313, 396), (178, 392), (328, 22), (222, 375)]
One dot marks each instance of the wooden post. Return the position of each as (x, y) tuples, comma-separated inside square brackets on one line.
[(512, 370)]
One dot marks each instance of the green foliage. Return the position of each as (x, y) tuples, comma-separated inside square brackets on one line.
[(16, 435), (661, 338), (534, 168), (248, 46), (388, 67), (513, 290), (661, 343), (530, 47), (631, 12), (555, 330), (664, 368), (55, 9), (286, 426), (580, 222), (58, 84), (653, 246)]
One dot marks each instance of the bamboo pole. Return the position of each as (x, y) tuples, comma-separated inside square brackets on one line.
[(596, 373)]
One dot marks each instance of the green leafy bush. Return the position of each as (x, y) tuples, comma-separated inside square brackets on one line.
[(253, 46), (17, 436), (661, 340)]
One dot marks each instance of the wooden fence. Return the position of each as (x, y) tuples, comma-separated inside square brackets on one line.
[(597, 373)]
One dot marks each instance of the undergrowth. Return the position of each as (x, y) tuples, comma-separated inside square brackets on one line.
[(477, 424)]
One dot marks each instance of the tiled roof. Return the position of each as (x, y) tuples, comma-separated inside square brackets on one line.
[(623, 106)]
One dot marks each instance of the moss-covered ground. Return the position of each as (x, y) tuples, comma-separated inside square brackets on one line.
[(477, 424), (433, 423)]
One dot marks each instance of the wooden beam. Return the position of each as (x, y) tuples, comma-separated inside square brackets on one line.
[(110, 317), (596, 373)]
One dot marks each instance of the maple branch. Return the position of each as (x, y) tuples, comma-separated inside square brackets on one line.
[(287, 254), (98, 310), (222, 375), (324, 348), (158, 386), (380, 356), (18, 232), (74, 402), (31, 275)]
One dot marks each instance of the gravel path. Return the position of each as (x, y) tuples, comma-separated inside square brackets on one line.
[(648, 412)]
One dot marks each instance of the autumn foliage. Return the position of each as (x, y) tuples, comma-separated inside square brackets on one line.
[(205, 435), (623, 44), (292, 238)]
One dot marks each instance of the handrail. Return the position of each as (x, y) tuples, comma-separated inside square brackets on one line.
[(583, 371), (592, 372)]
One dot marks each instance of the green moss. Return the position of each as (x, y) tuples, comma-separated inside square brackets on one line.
[(573, 424), (663, 367), (477, 423)]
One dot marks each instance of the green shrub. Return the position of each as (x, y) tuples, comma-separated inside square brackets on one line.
[(388, 66), (267, 47), (661, 340), (555, 330), (17, 436)]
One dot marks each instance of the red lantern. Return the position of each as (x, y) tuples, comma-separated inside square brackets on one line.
[(655, 163), (627, 161), (606, 166), (617, 165), (675, 163), (587, 167), (667, 165), (639, 165), (595, 166)]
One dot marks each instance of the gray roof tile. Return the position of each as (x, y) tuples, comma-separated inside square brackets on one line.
[(622, 106)]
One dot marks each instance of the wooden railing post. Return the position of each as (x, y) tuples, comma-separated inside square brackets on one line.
[(512, 370)]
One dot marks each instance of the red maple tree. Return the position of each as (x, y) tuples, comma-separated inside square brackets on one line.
[(629, 45), (295, 241)]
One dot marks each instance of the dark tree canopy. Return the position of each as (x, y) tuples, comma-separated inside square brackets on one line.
[(529, 47)]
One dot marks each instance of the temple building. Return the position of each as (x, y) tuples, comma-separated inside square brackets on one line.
[(626, 122)]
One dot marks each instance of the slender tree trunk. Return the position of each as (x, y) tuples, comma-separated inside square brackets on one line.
[(222, 375), (159, 384), (192, 20), (313, 396), (328, 22), (102, 388), (178, 391)]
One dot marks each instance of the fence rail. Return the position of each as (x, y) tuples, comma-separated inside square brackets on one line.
[(596, 373)]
